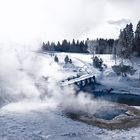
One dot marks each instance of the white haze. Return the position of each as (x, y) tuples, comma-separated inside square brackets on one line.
[(24, 24), (27, 21), (22, 87)]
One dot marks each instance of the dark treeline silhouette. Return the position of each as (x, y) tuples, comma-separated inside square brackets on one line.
[(66, 46), (102, 46), (127, 44)]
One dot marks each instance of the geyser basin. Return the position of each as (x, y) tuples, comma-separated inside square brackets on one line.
[(109, 112), (117, 116)]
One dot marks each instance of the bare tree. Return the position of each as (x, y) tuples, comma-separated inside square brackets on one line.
[(92, 44)]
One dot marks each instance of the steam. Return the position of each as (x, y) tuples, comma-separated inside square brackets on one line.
[(30, 80), (14, 82)]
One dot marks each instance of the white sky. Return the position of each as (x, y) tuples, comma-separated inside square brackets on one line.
[(43, 20)]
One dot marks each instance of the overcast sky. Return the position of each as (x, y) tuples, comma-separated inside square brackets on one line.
[(27, 20)]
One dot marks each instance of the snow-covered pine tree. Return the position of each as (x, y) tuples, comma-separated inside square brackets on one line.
[(137, 39), (44, 47), (129, 40), (121, 45), (125, 43)]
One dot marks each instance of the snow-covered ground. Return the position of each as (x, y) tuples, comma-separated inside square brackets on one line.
[(108, 78), (33, 103), (49, 123)]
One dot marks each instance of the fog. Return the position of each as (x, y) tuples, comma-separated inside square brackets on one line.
[(24, 21), (23, 88), (25, 24)]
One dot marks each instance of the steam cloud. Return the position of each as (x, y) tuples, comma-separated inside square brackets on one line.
[(23, 88)]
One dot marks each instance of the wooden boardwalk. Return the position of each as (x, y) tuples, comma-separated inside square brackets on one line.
[(80, 81)]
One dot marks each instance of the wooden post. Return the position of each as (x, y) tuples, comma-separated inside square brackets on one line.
[(94, 79), (76, 83), (81, 84), (86, 81), (89, 80)]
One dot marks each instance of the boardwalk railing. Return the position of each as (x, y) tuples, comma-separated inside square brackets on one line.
[(80, 81)]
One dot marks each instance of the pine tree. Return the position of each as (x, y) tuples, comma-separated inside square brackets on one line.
[(73, 42), (81, 46), (125, 43), (130, 39), (51, 47), (65, 46), (44, 47), (58, 47), (137, 39), (121, 45)]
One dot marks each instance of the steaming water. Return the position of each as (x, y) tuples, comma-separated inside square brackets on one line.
[(108, 113), (45, 121), (31, 107)]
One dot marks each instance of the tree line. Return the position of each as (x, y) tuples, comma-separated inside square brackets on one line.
[(128, 43), (66, 46), (103, 46)]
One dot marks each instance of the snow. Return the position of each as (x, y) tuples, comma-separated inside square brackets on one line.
[(108, 78), (49, 123), (28, 116)]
